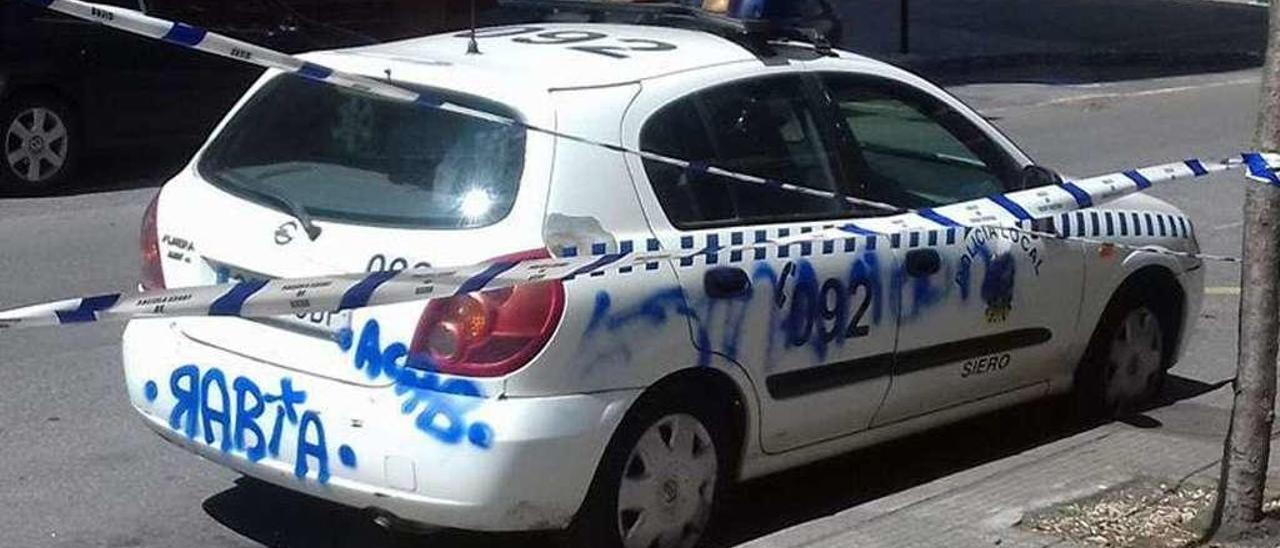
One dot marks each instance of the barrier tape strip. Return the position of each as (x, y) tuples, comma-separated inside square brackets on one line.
[(280, 297), (1015, 211)]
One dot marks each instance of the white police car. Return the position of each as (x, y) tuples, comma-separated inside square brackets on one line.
[(620, 404)]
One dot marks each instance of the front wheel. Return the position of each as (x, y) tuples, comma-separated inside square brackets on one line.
[(1127, 362), (658, 482)]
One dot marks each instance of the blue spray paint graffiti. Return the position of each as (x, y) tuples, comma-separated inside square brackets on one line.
[(798, 324), (1000, 269), (826, 313), (654, 310), (203, 402), (921, 292), (997, 287), (347, 456), (667, 303), (444, 402), (808, 310), (803, 311)]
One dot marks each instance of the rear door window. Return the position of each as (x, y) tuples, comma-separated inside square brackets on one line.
[(350, 157), (765, 127), (913, 150)]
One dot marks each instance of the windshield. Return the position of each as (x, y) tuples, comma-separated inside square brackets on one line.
[(344, 156)]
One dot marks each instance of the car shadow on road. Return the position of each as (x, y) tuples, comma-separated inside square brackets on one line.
[(273, 516)]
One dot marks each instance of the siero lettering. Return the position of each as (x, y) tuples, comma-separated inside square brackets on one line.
[(985, 364)]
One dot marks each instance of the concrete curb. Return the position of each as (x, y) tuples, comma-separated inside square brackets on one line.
[(824, 530), (982, 506)]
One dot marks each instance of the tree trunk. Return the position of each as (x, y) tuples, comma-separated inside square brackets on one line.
[(1248, 445)]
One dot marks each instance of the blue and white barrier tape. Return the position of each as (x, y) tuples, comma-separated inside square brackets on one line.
[(252, 299)]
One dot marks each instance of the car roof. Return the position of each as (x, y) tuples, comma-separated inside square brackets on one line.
[(568, 65)]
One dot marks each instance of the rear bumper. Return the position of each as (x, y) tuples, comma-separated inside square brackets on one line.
[(483, 463)]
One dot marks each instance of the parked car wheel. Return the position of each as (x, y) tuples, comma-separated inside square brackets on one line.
[(1128, 358), (658, 483), (40, 143)]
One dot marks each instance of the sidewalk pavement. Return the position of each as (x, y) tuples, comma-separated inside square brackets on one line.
[(982, 506)]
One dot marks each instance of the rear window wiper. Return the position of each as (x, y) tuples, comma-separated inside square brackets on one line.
[(298, 211), (290, 206)]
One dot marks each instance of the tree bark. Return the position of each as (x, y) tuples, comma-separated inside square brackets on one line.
[(1248, 445)]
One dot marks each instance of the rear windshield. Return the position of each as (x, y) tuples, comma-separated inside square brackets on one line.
[(344, 156)]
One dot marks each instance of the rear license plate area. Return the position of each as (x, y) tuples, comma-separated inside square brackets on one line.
[(328, 325)]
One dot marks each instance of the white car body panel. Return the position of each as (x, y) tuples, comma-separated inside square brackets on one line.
[(408, 476), (518, 451)]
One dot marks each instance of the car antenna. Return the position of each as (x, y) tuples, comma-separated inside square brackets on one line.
[(473, 47), (387, 71)]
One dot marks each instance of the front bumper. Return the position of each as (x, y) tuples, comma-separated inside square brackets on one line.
[(426, 456), (1192, 281)]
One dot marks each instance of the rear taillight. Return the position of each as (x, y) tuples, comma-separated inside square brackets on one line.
[(488, 333), (149, 240)]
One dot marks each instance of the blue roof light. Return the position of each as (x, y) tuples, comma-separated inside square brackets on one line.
[(749, 9)]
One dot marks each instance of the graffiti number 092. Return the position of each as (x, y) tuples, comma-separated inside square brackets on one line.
[(825, 308)]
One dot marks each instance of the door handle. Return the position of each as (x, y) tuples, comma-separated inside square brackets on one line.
[(726, 282), (923, 262)]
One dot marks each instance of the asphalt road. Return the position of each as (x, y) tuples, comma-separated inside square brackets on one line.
[(77, 468)]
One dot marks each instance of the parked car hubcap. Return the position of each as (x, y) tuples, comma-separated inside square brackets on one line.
[(667, 485), (35, 144), (1135, 362)]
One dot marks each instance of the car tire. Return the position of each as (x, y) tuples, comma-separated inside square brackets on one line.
[(667, 464), (1128, 358), (39, 143)]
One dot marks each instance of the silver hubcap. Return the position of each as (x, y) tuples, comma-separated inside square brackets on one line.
[(35, 144), (1134, 363), (667, 485)]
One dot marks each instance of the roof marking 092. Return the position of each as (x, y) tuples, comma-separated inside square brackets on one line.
[(621, 49)]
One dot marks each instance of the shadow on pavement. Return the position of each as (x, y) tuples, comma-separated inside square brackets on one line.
[(279, 518), (273, 516)]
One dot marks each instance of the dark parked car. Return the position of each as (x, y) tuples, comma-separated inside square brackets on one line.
[(69, 87)]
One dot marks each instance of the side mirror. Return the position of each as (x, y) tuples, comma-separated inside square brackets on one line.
[(1037, 176)]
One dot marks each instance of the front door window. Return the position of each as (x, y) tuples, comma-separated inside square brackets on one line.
[(915, 151)]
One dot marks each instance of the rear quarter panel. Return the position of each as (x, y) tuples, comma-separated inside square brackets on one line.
[(625, 327)]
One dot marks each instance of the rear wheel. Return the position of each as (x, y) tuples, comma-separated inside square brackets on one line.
[(659, 480), (1128, 358), (39, 144)]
